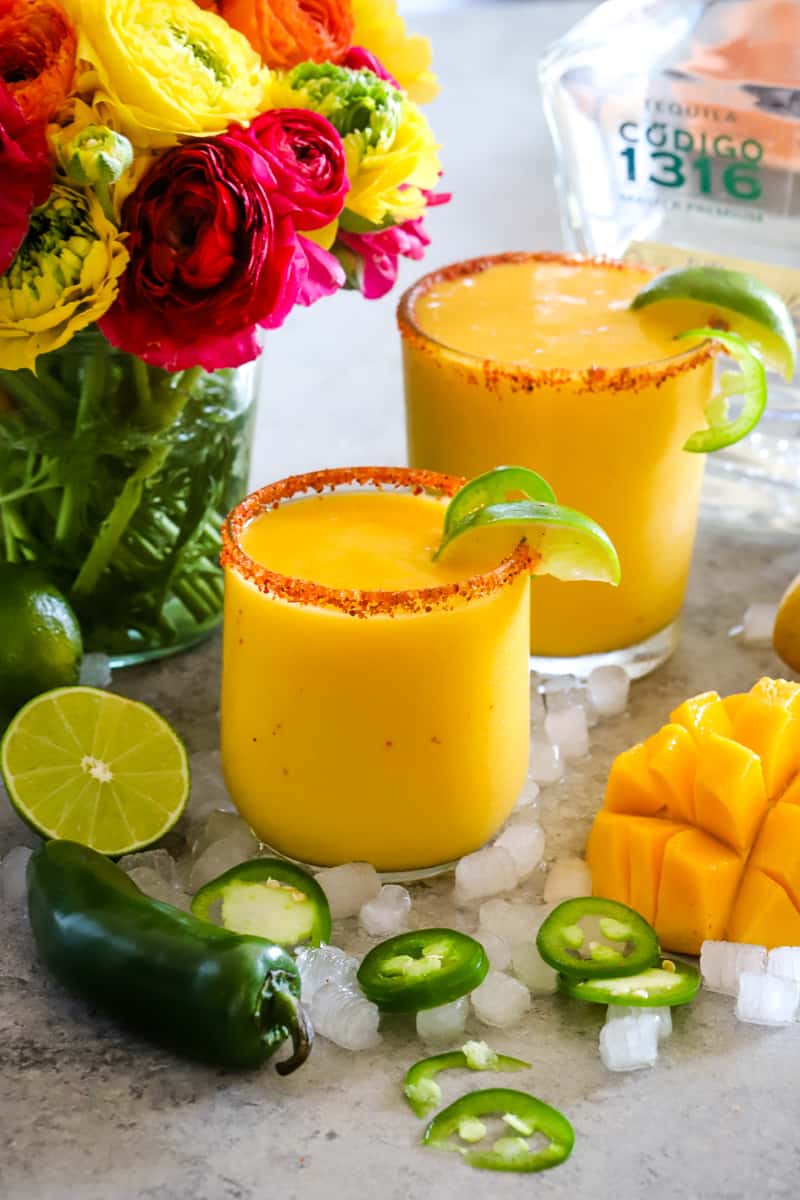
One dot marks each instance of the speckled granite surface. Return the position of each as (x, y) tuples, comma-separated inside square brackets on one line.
[(88, 1113)]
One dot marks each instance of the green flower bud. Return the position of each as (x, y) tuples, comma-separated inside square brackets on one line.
[(96, 155), (353, 101)]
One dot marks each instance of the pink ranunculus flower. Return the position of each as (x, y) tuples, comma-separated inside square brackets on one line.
[(358, 58), (210, 260), (25, 174), (373, 257), (308, 162)]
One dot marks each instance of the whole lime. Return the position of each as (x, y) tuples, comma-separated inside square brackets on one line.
[(40, 639)]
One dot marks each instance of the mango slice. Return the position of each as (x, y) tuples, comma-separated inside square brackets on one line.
[(700, 830)]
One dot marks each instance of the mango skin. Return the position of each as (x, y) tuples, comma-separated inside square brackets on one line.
[(700, 829)]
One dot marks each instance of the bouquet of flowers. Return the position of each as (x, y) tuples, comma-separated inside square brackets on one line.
[(176, 176)]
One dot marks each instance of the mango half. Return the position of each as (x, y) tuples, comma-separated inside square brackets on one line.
[(700, 828)]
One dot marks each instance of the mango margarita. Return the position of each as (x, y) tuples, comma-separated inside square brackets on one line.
[(537, 359), (375, 704)]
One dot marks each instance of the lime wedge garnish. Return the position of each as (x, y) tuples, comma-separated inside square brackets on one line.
[(565, 543), (749, 382), (738, 302), (494, 487), (92, 767)]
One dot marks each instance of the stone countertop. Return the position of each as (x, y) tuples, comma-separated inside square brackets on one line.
[(89, 1113)]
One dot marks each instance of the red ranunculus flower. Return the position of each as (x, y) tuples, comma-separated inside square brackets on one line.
[(210, 258), (308, 161), (25, 174), (359, 59)]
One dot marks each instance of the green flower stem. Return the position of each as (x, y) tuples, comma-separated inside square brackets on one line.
[(114, 526), (17, 384), (16, 534), (74, 495)]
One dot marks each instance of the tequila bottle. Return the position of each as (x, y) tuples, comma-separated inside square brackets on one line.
[(676, 125)]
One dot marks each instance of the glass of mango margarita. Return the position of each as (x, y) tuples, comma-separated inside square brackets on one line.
[(375, 703), (537, 359)]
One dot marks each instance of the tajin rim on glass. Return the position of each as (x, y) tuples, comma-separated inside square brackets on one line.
[(493, 371), (350, 601)]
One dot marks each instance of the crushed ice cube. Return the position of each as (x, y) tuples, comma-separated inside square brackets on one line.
[(160, 861), (758, 623), (319, 965), (445, 1023), (349, 887), (485, 873), (630, 1043), (500, 1000), (567, 729), (208, 786), (387, 914), (566, 879), (525, 844), (13, 876), (767, 999), (575, 696), (545, 764), (529, 967), (345, 1017), (154, 885), (222, 823), (529, 796), (95, 671), (220, 857), (617, 1012), (721, 964), (511, 920), (608, 689), (785, 962), (498, 951), (557, 685)]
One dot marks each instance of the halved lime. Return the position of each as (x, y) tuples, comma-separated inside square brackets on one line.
[(737, 302), (749, 382), (565, 543), (91, 767)]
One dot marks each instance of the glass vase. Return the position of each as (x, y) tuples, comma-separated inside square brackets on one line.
[(116, 476)]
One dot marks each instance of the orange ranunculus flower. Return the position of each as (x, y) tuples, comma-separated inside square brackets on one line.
[(37, 55), (288, 32)]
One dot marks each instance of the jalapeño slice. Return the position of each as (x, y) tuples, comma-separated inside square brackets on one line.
[(423, 969), (423, 1092), (671, 983), (524, 1115), (269, 898), (594, 938)]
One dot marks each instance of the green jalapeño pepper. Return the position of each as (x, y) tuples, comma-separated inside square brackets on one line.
[(593, 938), (423, 1092), (659, 987), (269, 898), (521, 1113), (219, 996), (423, 969)]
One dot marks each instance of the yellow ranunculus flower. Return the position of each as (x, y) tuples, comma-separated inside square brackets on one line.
[(376, 175), (380, 28), (157, 70), (63, 278)]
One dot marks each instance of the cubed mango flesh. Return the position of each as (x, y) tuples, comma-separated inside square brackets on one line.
[(700, 829)]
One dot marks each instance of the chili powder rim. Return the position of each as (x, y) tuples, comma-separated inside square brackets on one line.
[(351, 601), (589, 379)]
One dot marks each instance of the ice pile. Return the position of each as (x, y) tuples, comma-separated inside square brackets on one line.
[(525, 843), (758, 623), (545, 764), (512, 920), (485, 873), (618, 1012), (631, 1042), (498, 951), (156, 873), (568, 730), (349, 887), (722, 963), (95, 671), (500, 1000), (444, 1024), (531, 969), (13, 885), (529, 796), (608, 689), (387, 914), (329, 989), (765, 999), (567, 878), (785, 962)]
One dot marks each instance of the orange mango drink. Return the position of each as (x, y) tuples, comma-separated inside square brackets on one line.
[(537, 359), (375, 704)]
